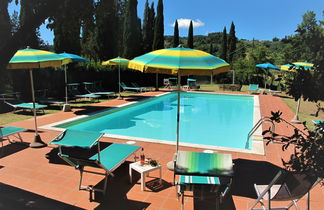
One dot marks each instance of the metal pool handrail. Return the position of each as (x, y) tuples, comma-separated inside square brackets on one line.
[(256, 126)]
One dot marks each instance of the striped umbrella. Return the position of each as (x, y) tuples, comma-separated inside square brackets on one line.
[(75, 59), (114, 62), (182, 62), (292, 67), (267, 66), (35, 59)]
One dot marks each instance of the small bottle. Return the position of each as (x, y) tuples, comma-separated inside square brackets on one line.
[(142, 157)]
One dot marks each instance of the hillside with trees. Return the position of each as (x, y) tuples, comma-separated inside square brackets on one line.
[(104, 29)]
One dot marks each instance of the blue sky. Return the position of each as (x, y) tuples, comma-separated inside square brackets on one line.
[(258, 19)]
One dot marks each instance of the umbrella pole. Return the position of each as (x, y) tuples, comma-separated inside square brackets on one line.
[(156, 81), (66, 106), (37, 139), (66, 91), (178, 113), (119, 95), (296, 118), (265, 82)]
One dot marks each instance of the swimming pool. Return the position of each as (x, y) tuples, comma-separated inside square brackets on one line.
[(205, 119)]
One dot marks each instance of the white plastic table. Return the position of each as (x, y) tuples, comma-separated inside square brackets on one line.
[(144, 171)]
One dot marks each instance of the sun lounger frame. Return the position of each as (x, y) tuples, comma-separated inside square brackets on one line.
[(125, 88), (94, 162), (16, 133), (18, 106)]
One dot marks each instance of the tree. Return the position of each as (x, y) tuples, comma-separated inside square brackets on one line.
[(5, 23), (131, 32), (146, 28), (41, 9), (148, 24), (231, 43), (304, 84), (105, 32), (176, 34), (34, 40), (308, 147), (152, 25), (223, 54), (190, 36), (66, 26), (158, 41), (88, 27), (211, 48), (120, 10)]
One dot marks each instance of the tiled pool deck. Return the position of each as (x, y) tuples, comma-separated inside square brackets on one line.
[(35, 178)]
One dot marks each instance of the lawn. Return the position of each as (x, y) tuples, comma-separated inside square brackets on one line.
[(306, 113), (19, 115)]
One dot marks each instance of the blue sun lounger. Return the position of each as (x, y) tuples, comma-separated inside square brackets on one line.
[(88, 86), (75, 93), (5, 132), (124, 87), (26, 106), (107, 159), (253, 88), (150, 88), (317, 122)]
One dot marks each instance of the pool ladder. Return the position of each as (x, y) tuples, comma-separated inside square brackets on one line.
[(256, 126)]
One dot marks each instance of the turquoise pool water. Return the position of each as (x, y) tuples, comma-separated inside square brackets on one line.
[(207, 119)]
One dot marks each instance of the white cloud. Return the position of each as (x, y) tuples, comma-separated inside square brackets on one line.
[(184, 23)]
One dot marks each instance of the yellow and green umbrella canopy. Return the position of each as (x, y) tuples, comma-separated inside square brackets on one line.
[(36, 59), (184, 61), (296, 65), (179, 61), (115, 62)]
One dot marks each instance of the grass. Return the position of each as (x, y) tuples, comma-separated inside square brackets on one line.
[(306, 113), (20, 115)]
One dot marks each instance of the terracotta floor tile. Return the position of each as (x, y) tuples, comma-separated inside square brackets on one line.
[(30, 170)]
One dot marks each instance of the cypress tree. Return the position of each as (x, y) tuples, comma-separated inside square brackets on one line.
[(66, 26), (145, 26), (158, 41), (223, 53), (105, 32), (131, 33), (140, 36), (121, 10), (33, 40), (88, 26), (176, 34), (5, 25), (211, 48), (231, 43), (152, 25), (190, 36), (148, 25)]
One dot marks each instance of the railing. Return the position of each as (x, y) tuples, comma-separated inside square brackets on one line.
[(256, 126)]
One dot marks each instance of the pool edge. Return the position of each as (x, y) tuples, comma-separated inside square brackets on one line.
[(257, 138)]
